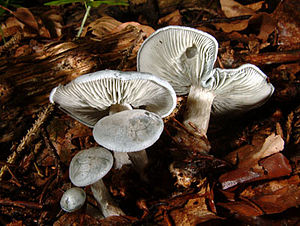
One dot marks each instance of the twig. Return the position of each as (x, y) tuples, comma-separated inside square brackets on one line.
[(28, 137), (273, 57), (38, 170), (15, 180), (51, 147), (22, 204), (45, 187), (6, 9)]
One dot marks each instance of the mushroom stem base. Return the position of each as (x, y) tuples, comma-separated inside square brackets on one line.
[(107, 205), (199, 104), (140, 161)]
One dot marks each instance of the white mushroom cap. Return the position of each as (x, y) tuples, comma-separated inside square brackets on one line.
[(129, 130), (73, 199), (185, 58), (181, 55), (89, 97), (240, 89), (89, 166)]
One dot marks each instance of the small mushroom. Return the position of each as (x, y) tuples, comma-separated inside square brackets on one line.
[(88, 167), (72, 199), (185, 58), (130, 131), (90, 97)]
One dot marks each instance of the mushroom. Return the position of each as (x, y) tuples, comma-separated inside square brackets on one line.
[(90, 97), (88, 167), (72, 199), (129, 131), (185, 58)]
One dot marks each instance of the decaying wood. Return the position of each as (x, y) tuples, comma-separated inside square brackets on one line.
[(273, 58), (25, 82)]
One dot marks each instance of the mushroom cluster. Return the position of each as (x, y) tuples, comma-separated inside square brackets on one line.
[(88, 167), (99, 99), (185, 57), (125, 109)]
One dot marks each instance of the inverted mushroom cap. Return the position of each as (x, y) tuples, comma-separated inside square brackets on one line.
[(185, 57), (181, 55), (128, 131), (89, 166), (73, 199), (240, 89), (88, 97)]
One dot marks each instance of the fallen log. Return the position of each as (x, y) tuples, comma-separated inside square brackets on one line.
[(26, 81)]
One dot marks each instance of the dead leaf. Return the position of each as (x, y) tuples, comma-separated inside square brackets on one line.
[(15, 223), (249, 155), (25, 16), (11, 26), (253, 164), (275, 196), (101, 26), (244, 208), (173, 18), (233, 9), (262, 24), (53, 22), (146, 29), (256, 6), (195, 211), (237, 25), (75, 219)]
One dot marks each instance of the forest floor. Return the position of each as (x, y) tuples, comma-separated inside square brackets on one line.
[(249, 177)]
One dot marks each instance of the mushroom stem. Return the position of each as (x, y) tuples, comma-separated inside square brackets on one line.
[(121, 158), (140, 161), (199, 104), (115, 108), (107, 205)]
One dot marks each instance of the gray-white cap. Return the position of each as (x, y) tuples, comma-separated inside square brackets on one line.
[(186, 56), (240, 89), (72, 199), (88, 97), (129, 130), (89, 166), (183, 56)]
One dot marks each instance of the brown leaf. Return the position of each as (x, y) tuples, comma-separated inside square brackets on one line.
[(75, 219), (275, 196), (263, 24), (253, 164), (233, 9), (237, 25), (276, 166), (195, 211), (53, 22), (147, 30), (244, 208), (117, 221), (101, 26), (24, 15), (15, 223), (173, 18), (11, 26)]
